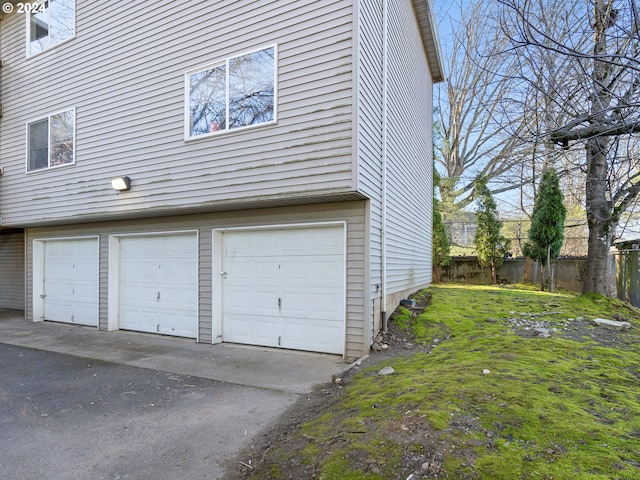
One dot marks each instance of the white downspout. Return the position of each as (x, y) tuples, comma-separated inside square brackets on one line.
[(383, 207)]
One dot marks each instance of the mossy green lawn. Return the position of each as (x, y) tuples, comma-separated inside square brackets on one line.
[(489, 400)]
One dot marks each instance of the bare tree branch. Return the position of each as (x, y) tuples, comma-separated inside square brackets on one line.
[(565, 135), (580, 61)]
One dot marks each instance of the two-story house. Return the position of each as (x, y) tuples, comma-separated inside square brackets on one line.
[(256, 172)]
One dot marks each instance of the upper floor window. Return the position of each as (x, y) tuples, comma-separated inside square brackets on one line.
[(237, 92), (49, 23), (50, 141)]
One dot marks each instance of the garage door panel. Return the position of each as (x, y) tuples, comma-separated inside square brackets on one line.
[(250, 270), (285, 287), (316, 304), (298, 332), (325, 338), (71, 281), (261, 301), (252, 329), (57, 310), (158, 284), (138, 294), (86, 290), (176, 322), (294, 242), (174, 271), (328, 269), (264, 243), (294, 270), (295, 303), (324, 305), (321, 271), (250, 244), (137, 268), (85, 314), (176, 302)]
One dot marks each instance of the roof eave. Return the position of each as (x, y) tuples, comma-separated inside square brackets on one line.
[(430, 40)]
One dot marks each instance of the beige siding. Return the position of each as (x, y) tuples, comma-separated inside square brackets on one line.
[(103, 272), (407, 168), (410, 154), (205, 284), (124, 74), (370, 117), (12, 270), (353, 213)]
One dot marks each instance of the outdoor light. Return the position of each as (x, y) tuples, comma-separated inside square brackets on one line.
[(121, 183)]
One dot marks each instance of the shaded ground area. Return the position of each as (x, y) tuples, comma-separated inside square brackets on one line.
[(66, 417)]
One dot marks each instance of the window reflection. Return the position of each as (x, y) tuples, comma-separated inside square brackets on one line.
[(51, 141), (61, 138), (238, 93), (208, 101), (51, 24), (251, 89)]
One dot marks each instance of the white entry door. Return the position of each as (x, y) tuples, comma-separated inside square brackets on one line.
[(158, 284), (70, 280), (284, 288)]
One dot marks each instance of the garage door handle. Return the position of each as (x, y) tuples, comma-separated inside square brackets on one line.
[(43, 295), (224, 274)]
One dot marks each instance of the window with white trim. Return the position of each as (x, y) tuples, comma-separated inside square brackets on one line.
[(237, 92), (49, 23), (50, 141)]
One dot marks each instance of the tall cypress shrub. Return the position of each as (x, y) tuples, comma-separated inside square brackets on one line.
[(491, 246), (547, 225), (440, 242)]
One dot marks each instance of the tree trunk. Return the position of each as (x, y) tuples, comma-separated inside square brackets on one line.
[(599, 208), (596, 278), (528, 265), (597, 272), (494, 276), (549, 276)]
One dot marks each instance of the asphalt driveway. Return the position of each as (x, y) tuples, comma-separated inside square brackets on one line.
[(77, 403), (67, 417)]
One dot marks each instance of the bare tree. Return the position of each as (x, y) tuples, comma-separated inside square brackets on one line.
[(596, 102), (475, 140)]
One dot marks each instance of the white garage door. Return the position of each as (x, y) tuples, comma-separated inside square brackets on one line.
[(70, 290), (285, 288), (158, 284)]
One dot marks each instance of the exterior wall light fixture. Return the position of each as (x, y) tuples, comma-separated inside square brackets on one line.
[(121, 183)]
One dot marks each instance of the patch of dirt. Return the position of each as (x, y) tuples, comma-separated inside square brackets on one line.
[(577, 329)]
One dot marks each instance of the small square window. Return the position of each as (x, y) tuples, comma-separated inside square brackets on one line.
[(50, 141), (239, 92), (49, 23)]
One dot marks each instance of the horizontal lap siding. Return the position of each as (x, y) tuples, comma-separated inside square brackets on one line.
[(353, 213), (410, 154), (205, 285), (370, 113), (103, 278), (12, 270), (124, 74)]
